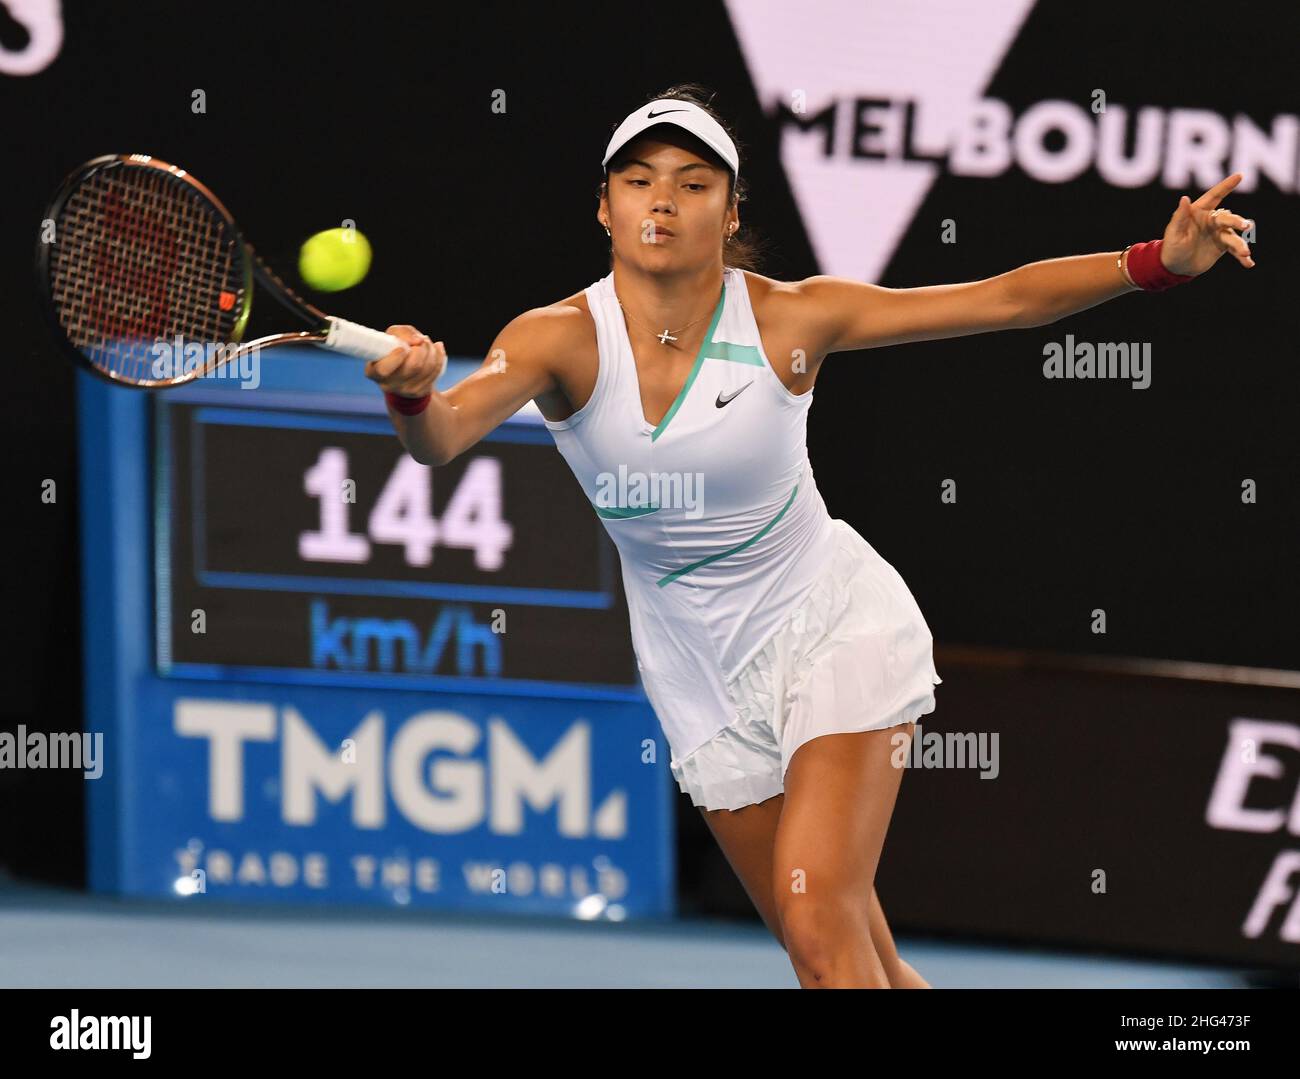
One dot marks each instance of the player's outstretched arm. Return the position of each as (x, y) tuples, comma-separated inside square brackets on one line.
[(851, 315)]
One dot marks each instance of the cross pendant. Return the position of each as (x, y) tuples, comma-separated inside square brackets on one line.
[(665, 337)]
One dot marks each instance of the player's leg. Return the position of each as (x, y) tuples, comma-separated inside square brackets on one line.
[(747, 836), (840, 791), (901, 974)]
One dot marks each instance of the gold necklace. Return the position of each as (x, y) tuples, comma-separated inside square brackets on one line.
[(664, 337)]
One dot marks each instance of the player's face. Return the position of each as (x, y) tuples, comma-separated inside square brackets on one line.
[(667, 207)]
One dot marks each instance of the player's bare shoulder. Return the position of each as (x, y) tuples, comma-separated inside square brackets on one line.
[(774, 301), (540, 329), (789, 327), (561, 337), (574, 316)]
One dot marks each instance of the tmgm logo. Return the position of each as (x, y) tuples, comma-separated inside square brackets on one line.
[(373, 644), (442, 776)]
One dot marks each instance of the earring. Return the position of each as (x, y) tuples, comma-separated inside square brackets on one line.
[(607, 232)]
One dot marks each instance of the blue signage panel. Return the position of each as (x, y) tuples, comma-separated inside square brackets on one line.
[(465, 800), (326, 673)]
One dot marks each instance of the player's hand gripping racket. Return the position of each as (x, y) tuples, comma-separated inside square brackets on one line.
[(142, 255)]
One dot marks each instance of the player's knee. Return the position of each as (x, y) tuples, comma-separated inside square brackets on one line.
[(818, 927)]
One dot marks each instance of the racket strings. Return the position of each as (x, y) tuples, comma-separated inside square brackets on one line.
[(141, 257)]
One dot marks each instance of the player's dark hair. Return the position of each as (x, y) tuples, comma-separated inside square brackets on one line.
[(745, 250)]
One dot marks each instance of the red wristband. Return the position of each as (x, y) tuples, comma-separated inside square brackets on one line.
[(1148, 272), (408, 406)]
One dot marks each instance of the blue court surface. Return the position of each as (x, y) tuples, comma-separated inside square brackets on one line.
[(51, 938)]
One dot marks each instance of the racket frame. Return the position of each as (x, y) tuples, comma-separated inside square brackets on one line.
[(251, 267)]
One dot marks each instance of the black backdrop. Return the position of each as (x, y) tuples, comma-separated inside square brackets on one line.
[(1072, 496)]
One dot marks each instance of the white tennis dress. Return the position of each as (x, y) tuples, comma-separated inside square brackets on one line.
[(758, 621)]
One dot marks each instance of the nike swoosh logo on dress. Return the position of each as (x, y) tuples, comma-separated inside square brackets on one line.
[(721, 401)]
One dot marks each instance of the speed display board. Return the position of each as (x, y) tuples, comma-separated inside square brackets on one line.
[(310, 545)]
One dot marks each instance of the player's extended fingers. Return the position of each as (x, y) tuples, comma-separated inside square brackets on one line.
[(1224, 223), (1216, 194), (1233, 242), (1222, 218), (1235, 245)]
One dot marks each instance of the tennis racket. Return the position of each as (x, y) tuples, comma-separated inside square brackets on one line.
[(142, 257)]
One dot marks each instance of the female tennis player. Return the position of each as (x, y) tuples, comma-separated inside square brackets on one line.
[(786, 660)]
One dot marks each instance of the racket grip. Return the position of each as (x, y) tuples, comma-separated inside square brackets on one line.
[(359, 341)]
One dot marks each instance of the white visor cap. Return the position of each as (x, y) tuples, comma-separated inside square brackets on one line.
[(684, 114)]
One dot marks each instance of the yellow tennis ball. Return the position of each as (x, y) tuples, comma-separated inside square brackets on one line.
[(334, 259)]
